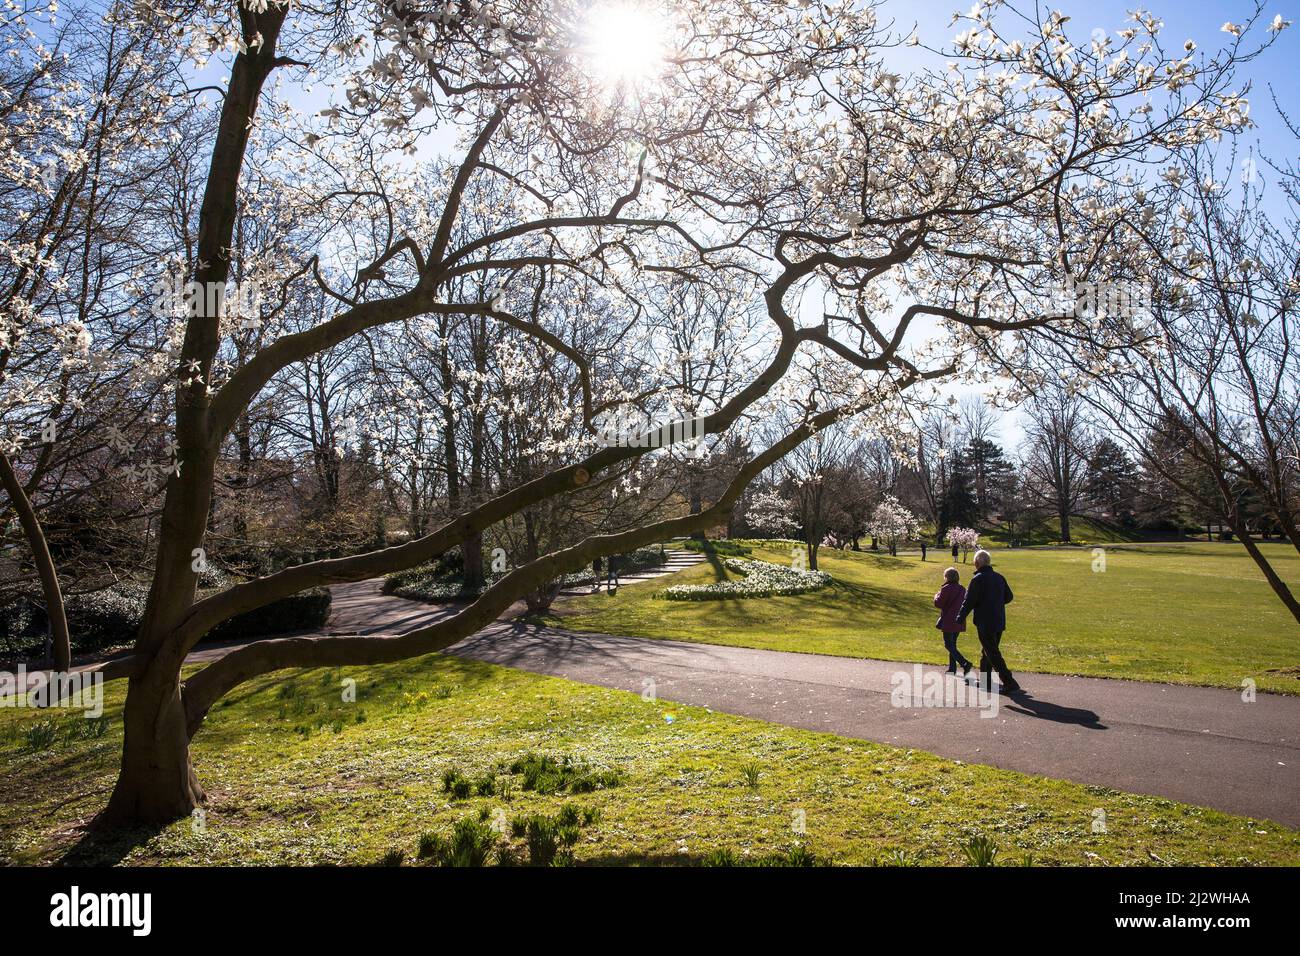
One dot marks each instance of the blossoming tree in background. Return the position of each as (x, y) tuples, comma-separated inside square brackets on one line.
[(966, 540), (891, 523), (770, 514)]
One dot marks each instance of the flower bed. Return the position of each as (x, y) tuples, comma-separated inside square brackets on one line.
[(760, 579)]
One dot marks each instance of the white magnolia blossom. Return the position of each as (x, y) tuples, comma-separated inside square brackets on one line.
[(892, 522), (771, 514)]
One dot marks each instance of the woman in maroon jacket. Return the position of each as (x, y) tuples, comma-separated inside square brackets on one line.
[(949, 601)]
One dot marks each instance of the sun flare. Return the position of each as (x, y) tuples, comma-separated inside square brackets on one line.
[(625, 42)]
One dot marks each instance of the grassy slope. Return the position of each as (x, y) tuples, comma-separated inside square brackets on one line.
[(1184, 613), (293, 777)]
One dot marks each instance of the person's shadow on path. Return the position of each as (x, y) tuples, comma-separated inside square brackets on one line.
[(1024, 703)]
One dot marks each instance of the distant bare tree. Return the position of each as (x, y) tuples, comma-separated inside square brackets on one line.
[(1057, 449)]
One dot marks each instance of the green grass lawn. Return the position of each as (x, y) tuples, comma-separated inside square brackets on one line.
[(296, 776), (1185, 613)]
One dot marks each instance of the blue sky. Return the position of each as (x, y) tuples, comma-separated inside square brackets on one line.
[(1271, 74)]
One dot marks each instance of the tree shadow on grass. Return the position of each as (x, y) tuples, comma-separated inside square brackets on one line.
[(873, 598), (715, 562), (881, 559), (102, 846), (379, 685), (863, 605)]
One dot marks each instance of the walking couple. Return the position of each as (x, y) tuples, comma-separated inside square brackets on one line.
[(987, 597)]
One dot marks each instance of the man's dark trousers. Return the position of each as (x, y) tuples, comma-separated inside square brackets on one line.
[(991, 660)]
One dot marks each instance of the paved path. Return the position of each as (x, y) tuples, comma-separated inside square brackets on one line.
[(1193, 744), (363, 608)]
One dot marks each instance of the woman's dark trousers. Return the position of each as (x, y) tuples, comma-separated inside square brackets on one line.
[(954, 655)]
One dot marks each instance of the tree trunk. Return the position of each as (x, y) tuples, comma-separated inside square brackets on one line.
[(1065, 527), (40, 549), (1271, 576), (157, 783), (472, 550)]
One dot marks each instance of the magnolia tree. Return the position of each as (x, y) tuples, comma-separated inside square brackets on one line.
[(1207, 398), (965, 539), (769, 514), (88, 140), (765, 152), (892, 523)]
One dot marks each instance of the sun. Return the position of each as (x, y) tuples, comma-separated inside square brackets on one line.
[(624, 42)]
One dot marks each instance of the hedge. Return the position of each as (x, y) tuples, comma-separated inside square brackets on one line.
[(298, 612), (111, 616)]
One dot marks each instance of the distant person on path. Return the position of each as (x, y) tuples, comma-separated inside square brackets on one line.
[(922, 550), (615, 565), (598, 567), (988, 596), (954, 550), (949, 601)]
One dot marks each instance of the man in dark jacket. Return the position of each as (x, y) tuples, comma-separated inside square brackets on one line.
[(988, 596)]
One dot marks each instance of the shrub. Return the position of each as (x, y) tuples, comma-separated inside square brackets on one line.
[(456, 784), (428, 588), (21, 633), (429, 845), (799, 856), (442, 582), (980, 851), (643, 558), (40, 736), (545, 774), (472, 843), (105, 618), (213, 578), (550, 840), (723, 548), (437, 581), (298, 612)]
